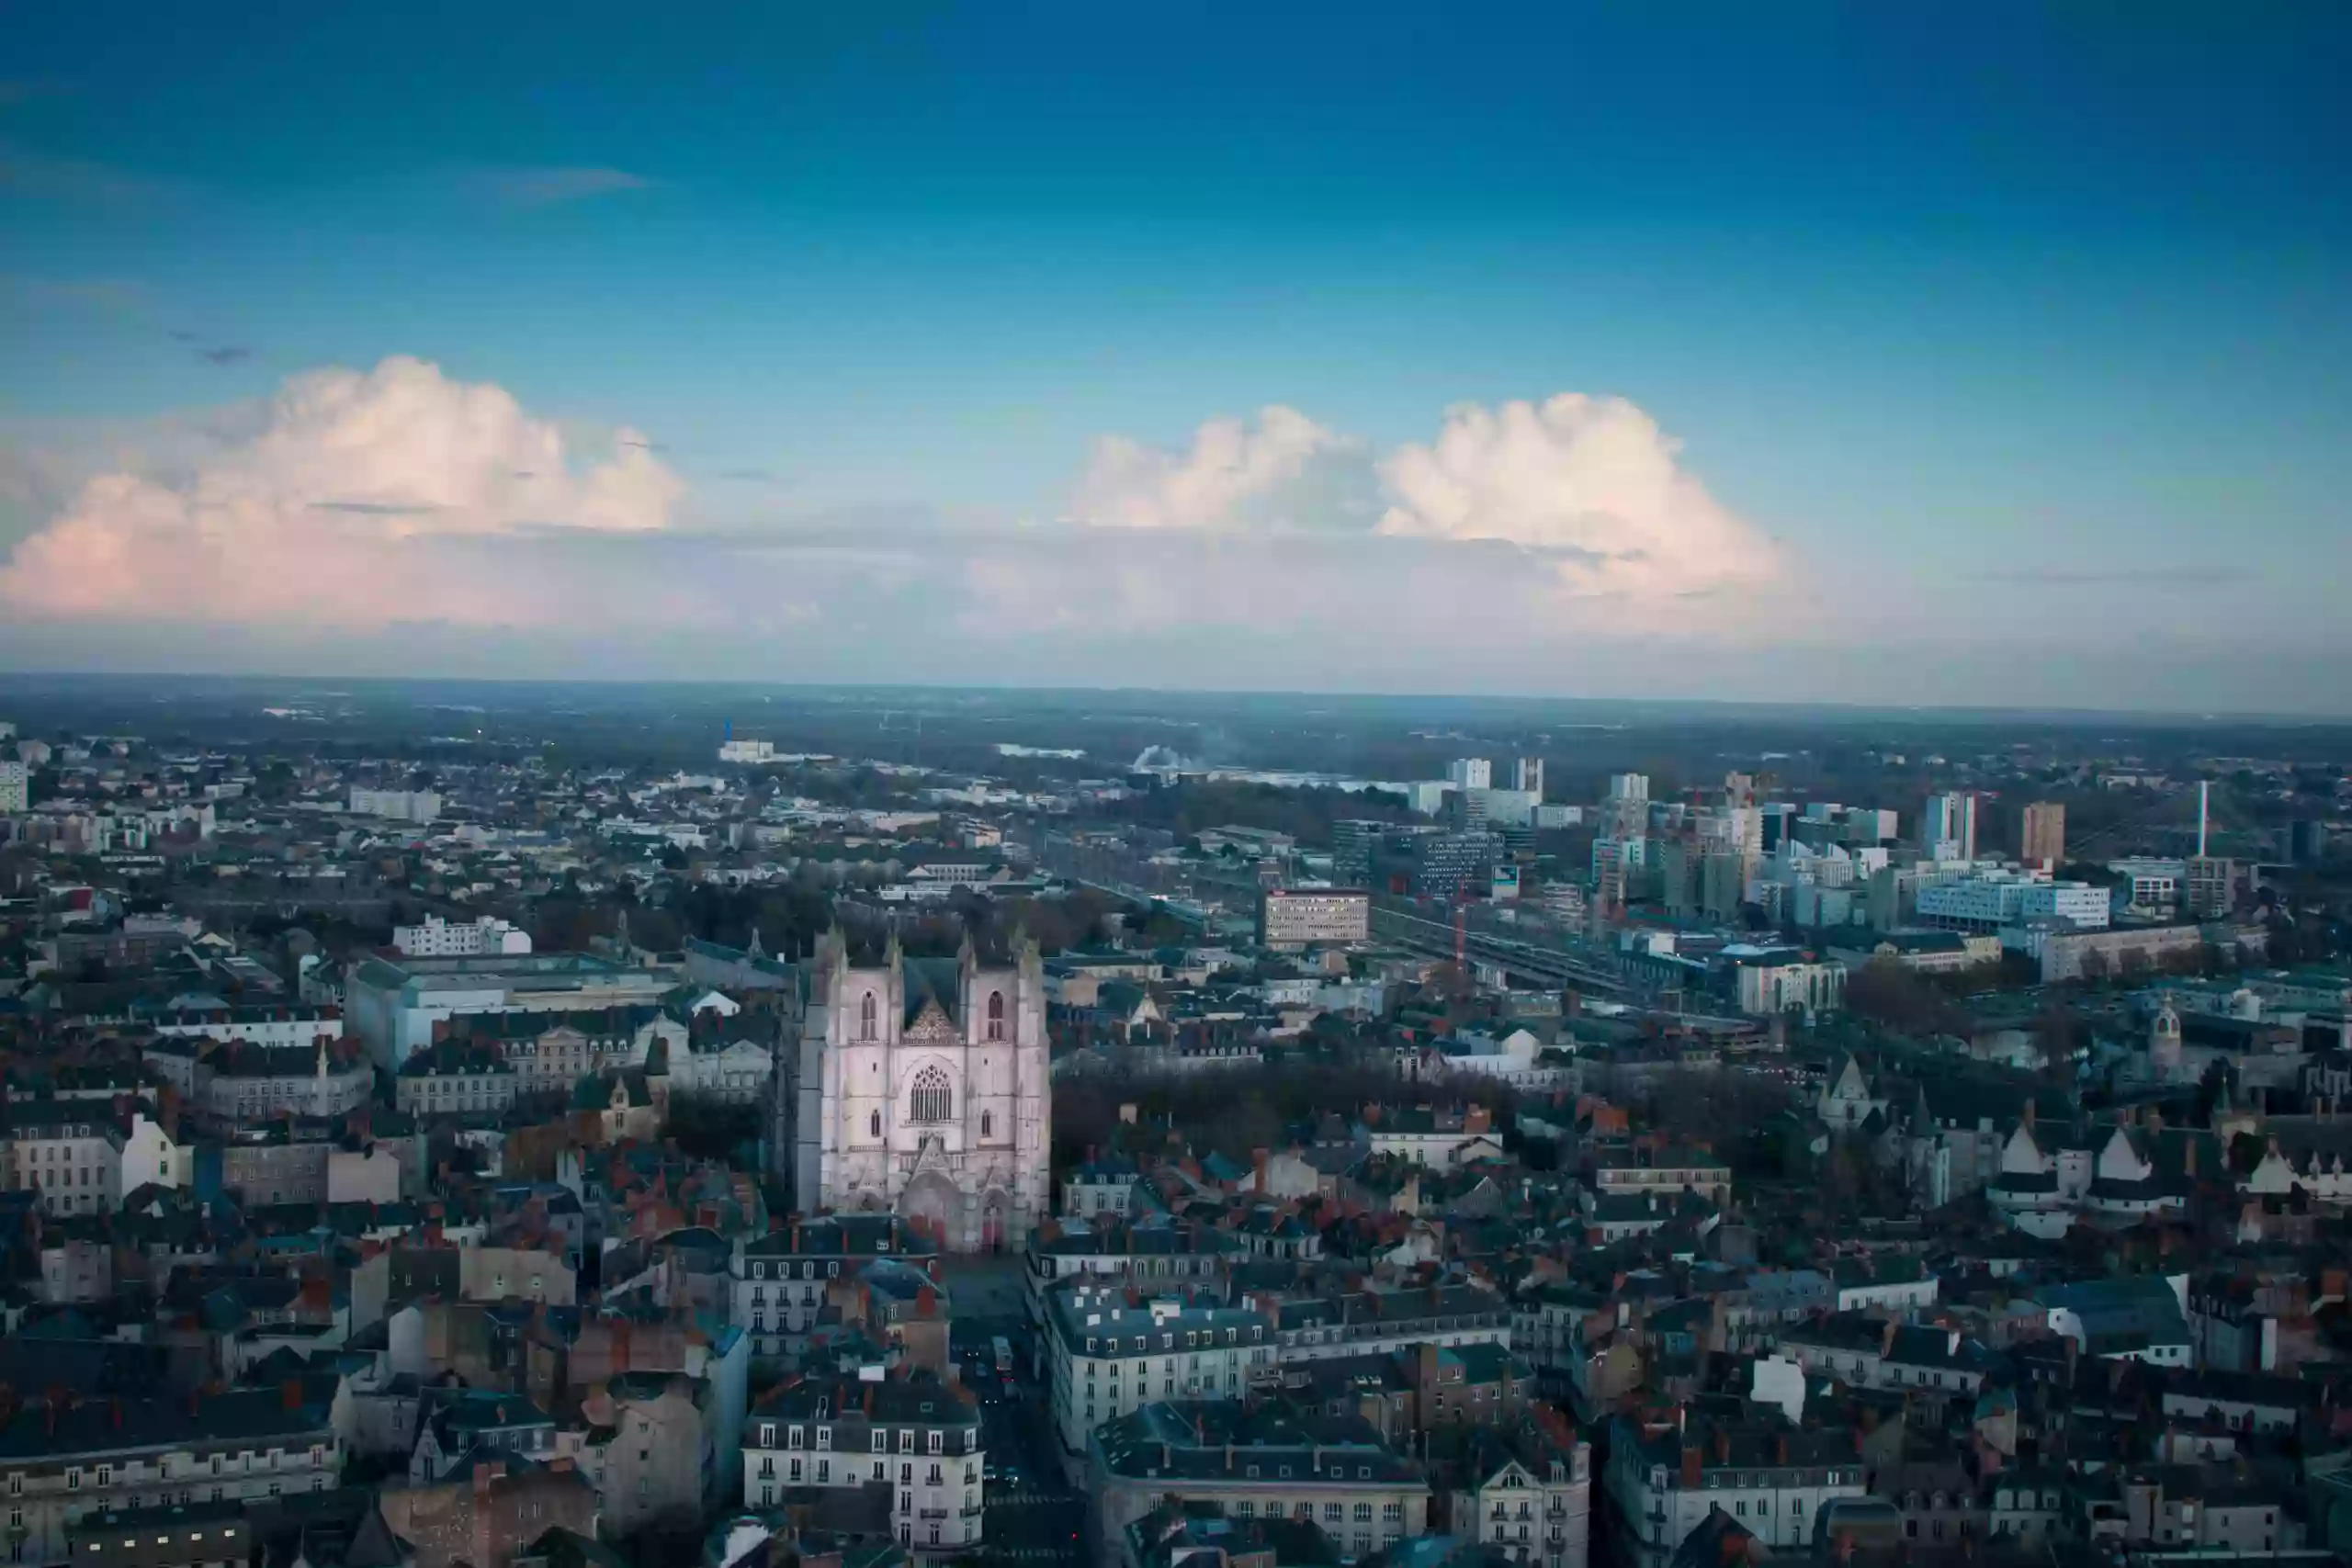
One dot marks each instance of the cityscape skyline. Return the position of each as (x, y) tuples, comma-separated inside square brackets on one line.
[(1985, 361)]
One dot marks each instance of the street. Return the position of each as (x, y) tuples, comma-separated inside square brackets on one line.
[(1032, 1515)]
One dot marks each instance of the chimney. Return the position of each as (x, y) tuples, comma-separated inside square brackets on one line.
[(1258, 1160), (2188, 1156), (484, 1474), (1691, 1460)]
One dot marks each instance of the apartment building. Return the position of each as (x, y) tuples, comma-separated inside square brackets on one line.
[(455, 1078), (1109, 1359), (65, 1457), (232, 1083), (1385, 1318), (550, 1053), (1256, 1464), (780, 1281), (295, 1025), (1150, 1257), (1631, 1172), (1665, 1478), (1531, 1492), (68, 1150), (919, 1437), (436, 938)]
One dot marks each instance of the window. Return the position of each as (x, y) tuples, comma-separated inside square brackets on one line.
[(996, 1015), (866, 1017), (933, 1099), (987, 1124), (874, 1123)]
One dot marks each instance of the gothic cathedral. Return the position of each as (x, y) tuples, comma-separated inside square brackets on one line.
[(921, 1087)]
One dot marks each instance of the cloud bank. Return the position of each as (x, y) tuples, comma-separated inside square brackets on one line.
[(400, 502), (1592, 481), (1233, 475), (342, 509)]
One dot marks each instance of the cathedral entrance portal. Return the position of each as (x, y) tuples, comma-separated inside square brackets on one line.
[(933, 1206), (992, 1223)]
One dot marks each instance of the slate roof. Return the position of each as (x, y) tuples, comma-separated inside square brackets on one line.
[(43, 1430)]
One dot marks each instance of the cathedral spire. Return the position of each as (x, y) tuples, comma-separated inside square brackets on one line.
[(754, 951)]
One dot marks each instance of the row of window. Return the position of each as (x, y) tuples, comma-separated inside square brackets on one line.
[(935, 1438), (932, 1106), (935, 1477), (1194, 1339), (1333, 1513)]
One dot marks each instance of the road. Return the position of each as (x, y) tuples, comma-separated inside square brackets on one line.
[(1029, 1511)]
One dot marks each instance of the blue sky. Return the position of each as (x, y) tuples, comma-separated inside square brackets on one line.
[(2008, 344)]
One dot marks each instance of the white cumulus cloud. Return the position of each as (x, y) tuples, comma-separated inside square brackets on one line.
[(362, 499), (1234, 475), (1591, 481)]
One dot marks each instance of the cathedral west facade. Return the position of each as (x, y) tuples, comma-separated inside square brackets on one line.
[(921, 1087)]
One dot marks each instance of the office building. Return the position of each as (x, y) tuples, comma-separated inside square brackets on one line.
[(1948, 827), (1353, 842), (1302, 916), (1431, 863), (16, 787), (2041, 834), (1470, 772), (2210, 886), (1991, 898), (1527, 776)]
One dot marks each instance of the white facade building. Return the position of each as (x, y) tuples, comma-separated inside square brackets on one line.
[(1470, 772), (921, 1087), (1995, 898), (396, 804), (15, 784), (1110, 1359), (437, 938)]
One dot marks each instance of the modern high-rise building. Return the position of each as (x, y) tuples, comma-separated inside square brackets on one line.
[(1527, 776), (1353, 842), (1948, 827), (2210, 886), (2042, 834), (1470, 772), (16, 787)]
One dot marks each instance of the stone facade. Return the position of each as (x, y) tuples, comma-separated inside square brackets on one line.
[(921, 1087)]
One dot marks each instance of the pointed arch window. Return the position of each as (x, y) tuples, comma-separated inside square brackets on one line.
[(996, 1015), (874, 1124), (933, 1099), (987, 1124), (866, 1017)]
